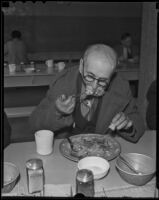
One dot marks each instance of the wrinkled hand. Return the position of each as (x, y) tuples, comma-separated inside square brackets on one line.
[(65, 104), (121, 121)]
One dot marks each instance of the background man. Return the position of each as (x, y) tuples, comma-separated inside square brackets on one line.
[(127, 51), (15, 49)]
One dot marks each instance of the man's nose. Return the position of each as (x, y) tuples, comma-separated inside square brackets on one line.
[(95, 84)]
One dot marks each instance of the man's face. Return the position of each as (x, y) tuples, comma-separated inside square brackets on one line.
[(127, 42), (96, 73)]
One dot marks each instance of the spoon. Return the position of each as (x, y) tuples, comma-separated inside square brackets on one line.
[(126, 162)]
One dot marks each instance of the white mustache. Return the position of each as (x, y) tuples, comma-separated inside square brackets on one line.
[(91, 91)]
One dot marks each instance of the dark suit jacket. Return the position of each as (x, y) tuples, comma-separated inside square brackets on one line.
[(115, 99), (119, 50)]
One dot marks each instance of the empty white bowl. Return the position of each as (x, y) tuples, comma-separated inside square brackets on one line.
[(99, 166)]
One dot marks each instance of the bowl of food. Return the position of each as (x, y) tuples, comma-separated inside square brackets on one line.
[(29, 69), (10, 177), (143, 165), (99, 166)]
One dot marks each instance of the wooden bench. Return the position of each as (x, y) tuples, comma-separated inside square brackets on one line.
[(15, 112)]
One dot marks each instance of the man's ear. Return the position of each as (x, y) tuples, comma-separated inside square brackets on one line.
[(81, 66)]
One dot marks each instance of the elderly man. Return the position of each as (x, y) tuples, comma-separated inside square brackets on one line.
[(90, 99)]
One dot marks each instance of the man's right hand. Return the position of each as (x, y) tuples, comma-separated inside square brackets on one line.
[(65, 104)]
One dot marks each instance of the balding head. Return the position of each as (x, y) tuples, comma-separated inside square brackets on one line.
[(100, 60), (103, 51)]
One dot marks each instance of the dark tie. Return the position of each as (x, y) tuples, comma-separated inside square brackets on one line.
[(129, 53)]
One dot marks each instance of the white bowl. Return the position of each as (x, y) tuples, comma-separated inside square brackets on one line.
[(99, 166), (29, 69)]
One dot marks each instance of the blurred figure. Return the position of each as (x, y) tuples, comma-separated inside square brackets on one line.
[(126, 50), (151, 108), (7, 131), (15, 49)]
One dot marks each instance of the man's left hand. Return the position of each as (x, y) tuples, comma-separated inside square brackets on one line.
[(121, 121)]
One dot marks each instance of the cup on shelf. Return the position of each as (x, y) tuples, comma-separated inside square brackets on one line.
[(44, 140), (60, 66), (49, 63), (12, 68)]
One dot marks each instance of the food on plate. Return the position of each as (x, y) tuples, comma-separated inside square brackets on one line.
[(91, 145)]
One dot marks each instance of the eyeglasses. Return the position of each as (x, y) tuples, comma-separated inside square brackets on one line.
[(100, 81)]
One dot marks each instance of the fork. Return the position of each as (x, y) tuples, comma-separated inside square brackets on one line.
[(104, 192), (78, 96), (71, 144)]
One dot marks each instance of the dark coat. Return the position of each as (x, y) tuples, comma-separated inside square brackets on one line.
[(134, 50), (151, 107), (115, 99)]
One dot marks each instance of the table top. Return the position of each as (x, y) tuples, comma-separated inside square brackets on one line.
[(60, 170)]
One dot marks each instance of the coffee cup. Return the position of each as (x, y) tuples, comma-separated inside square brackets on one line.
[(44, 142), (60, 66), (49, 63), (12, 68)]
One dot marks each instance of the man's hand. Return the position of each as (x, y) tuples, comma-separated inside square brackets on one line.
[(65, 104), (121, 121)]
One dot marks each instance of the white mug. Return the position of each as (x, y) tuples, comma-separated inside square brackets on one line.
[(61, 66), (44, 141), (12, 68), (49, 63)]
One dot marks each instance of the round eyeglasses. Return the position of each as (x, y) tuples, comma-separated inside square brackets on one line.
[(100, 82)]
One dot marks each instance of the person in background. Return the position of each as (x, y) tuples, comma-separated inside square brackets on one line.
[(15, 49), (6, 131), (151, 107), (126, 50), (90, 98)]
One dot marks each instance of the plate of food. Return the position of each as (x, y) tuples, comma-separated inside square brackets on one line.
[(90, 144)]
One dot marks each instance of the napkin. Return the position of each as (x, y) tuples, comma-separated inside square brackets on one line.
[(147, 190), (58, 190)]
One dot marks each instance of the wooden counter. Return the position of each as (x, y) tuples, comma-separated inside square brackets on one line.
[(45, 76)]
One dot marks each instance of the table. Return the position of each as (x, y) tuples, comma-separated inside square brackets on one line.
[(60, 170), (23, 79), (46, 75)]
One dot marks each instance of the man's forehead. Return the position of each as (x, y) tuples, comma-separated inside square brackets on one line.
[(99, 66), (98, 58)]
